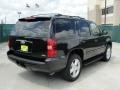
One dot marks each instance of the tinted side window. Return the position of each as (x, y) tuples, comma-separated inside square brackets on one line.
[(94, 29), (84, 29), (64, 28)]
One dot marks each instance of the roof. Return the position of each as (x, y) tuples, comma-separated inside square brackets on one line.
[(55, 15)]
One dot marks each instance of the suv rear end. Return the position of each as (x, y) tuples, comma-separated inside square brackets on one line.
[(32, 45)]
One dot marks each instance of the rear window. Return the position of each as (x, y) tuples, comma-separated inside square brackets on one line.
[(38, 27)]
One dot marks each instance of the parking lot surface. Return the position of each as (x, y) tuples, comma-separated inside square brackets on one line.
[(97, 76)]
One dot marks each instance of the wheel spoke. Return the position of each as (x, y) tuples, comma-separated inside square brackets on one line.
[(75, 68), (74, 73), (76, 62), (71, 70)]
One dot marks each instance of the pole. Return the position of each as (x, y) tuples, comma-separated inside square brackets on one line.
[(1, 32), (19, 13), (5, 19), (105, 11)]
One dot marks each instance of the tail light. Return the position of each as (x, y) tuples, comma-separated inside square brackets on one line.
[(51, 48)]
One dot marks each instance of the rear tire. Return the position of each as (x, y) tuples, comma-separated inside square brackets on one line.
[(73, 68), (107, 54)]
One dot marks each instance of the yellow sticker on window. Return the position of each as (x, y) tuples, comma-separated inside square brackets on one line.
[(24, 48)]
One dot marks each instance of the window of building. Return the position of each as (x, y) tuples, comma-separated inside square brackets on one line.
[(108, 10)]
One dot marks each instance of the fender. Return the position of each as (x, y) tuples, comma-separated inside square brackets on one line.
[(73, 49)]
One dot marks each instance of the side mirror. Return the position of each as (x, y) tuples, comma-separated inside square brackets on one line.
[(104, 32)]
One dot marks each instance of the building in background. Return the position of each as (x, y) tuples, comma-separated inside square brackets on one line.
[(96, 11)]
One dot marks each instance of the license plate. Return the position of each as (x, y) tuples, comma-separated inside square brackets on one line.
[(24, 48)]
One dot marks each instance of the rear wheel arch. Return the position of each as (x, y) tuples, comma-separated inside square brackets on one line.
[(76, 51)]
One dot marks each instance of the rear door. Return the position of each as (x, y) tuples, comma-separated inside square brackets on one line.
[(65, 36), (87, 43)]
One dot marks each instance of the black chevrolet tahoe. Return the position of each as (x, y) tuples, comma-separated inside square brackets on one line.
[(58, 43)]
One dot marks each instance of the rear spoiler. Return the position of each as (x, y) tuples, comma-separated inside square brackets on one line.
[(33, 19)]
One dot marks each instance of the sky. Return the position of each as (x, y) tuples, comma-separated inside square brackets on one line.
[(9, 8)]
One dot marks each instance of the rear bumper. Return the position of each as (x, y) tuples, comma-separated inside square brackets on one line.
[(50, 65)]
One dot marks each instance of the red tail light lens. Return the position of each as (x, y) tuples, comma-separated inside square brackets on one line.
[(10, 42), (51, 48)]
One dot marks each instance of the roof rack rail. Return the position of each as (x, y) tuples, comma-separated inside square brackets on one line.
[(82, 18), (49, 14), (75, 16), (70, 16), (56, 14)]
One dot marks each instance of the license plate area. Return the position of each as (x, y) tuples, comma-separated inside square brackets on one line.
[(26, 47)]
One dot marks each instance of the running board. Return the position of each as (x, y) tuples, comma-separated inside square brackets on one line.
[(92, 60)]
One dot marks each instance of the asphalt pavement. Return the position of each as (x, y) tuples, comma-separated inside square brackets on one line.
[(97, 76)]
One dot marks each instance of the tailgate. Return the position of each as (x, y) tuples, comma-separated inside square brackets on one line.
[(31, 47)]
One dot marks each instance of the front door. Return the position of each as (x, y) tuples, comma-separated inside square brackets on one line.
[(97, 38)]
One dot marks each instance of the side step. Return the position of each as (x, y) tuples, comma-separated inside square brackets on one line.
[(92, 60)]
